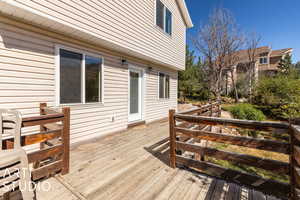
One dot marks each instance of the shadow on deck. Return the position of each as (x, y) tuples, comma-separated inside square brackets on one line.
[(134, 165), (217, 188)]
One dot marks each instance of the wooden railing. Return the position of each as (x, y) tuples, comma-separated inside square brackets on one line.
[(295, 161), (54, 140), (189, 124)]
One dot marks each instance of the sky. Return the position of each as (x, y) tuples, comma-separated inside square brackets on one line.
[(277, 22)]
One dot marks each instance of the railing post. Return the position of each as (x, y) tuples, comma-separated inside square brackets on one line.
[(42, 129), (66, 140), (219, 109), (198, 156), (42, 112), (220, 113), (172, 138), (295, 162), (211, 113), (211, 109)]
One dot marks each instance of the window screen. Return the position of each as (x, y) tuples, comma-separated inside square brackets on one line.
[(92, 79), (167, 87), (168, 27), (263, 60), (161, 85), (70, 77), (159, 14)]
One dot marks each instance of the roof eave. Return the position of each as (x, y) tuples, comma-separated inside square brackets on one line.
[(185, 13), (23, 13)]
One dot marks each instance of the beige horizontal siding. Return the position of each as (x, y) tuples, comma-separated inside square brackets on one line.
[(127, 23), (158, 108), (27, 77)]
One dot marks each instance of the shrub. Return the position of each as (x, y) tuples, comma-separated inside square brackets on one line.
[(279, 96), (247, 111)]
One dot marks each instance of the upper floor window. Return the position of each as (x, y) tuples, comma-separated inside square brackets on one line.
[(168, 26), (163, 17), (164, 86), (80, 77), (263, 60), (160, 14)]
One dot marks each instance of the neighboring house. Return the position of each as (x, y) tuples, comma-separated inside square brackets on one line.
[(266, 63), (113, 62)]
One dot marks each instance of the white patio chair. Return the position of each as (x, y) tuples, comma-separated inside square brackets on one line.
[(14, 167)]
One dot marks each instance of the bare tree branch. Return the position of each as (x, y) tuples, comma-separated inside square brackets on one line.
[(218, 41), (252, 46)]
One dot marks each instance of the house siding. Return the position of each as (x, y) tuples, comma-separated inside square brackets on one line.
[(274, 61), (27, 77), (128, 23)]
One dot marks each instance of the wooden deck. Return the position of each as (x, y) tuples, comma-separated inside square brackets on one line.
[(133, 165)]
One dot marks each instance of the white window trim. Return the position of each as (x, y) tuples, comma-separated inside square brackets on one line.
[(57, 75), (166, 74), (164, 19), (264, 63)]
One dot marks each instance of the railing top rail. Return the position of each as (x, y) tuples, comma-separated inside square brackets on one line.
[(42, 117), (256, 143), (192, 110), (208, 104), (232, 122), (197, 108)]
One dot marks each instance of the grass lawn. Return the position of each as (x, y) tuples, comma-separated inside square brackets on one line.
[(249, 169), (254, 152)]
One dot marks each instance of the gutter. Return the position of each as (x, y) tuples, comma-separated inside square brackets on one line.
[(185, 13)]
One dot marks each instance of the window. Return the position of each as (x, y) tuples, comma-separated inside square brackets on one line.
[(263, 60), (70, 77), (92, 79), (163, 17), (168, 23), (80, 78), (160, 14), (161, 85), (167, 87), (164, 86)]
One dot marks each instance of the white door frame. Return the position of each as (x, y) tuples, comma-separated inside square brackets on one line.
[(140, 115)]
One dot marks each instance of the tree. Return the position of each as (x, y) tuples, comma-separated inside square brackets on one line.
[(234, 83), (279, 96), (285, 65), (297, 65), (252, 45), (190, 80), (218, 41)]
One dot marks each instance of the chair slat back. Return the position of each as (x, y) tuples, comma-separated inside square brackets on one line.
[(10, 125)]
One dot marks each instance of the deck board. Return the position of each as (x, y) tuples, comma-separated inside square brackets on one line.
[(133, 165)]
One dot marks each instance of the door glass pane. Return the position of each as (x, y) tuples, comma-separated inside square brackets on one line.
[(92, 79), (161, 86), (134, 92), (70, 77)]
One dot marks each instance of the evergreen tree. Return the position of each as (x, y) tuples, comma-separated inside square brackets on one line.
[(285, 64), (191, 82), (297, 65)]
